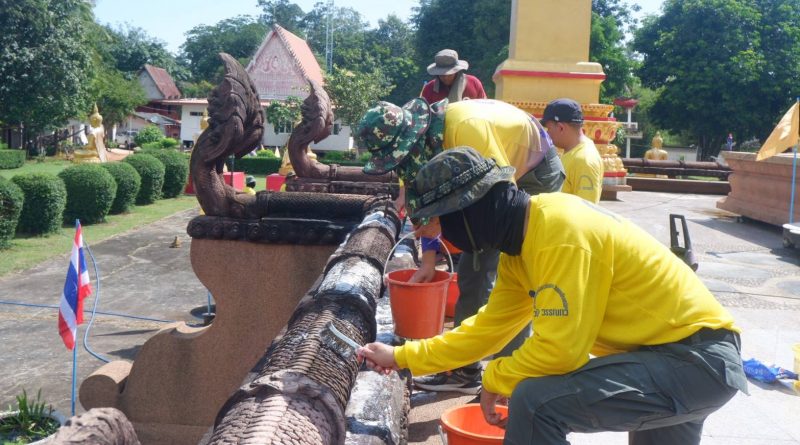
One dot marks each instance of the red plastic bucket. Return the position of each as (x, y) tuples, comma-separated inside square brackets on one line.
[(418, 308), (465, 425), (452, 297)]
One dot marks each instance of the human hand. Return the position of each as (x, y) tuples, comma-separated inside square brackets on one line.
[(379, 357), (488, 402), (427, 269), (430, 230)]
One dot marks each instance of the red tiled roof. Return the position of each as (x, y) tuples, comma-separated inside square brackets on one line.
[(163, 82), (301, 53)]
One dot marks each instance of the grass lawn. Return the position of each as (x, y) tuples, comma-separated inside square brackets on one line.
[(29, 251), (53, 166)]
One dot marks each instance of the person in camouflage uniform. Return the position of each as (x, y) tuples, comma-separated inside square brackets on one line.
[(404, 139)]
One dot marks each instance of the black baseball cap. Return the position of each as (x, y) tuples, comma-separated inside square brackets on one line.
[(563, 110)]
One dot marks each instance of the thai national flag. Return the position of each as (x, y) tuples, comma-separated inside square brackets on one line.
[(76, 288)]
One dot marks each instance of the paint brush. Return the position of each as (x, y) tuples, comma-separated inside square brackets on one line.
[(339, 342)]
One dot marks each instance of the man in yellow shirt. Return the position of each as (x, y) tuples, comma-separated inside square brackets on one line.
[(666, 352), (405, 138), (584, 167)]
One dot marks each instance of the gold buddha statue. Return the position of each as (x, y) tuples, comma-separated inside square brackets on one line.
[(95, 149), (656, 153)]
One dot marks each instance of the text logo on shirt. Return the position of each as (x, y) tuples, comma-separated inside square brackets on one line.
[(542, 293)]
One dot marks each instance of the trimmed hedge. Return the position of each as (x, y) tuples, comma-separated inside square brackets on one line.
[(128, 184), (151, 170), (257, 165), (168, 143), (45, 200), (90, 192), (11, 202), (176, 171), (12, 159)]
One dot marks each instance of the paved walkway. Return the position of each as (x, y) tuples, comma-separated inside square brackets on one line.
[(743, 263)]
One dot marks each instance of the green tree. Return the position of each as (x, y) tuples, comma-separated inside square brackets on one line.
[(478, 31), (284, 13), (116, 96), (607, 46), (717, 63), (131, 48), (279, 112), (353, 93), (44, 66), (391, 43), (239, 36)]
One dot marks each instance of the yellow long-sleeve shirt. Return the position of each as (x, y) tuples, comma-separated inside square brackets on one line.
[(591, 282), (584, 169)]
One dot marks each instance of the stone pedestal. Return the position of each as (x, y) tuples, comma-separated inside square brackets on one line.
[(760, 189), (182, 375), (545, 62)]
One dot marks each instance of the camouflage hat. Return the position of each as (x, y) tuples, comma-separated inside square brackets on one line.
[(390, 132), (454, 179)]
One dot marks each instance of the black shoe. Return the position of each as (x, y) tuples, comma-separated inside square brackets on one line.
[(458, 381)]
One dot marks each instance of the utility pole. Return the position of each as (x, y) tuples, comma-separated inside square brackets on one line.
[(329, 37)]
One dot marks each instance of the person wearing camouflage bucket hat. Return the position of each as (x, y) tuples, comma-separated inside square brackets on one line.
[(390, 133), (628, 338), (507, 135)]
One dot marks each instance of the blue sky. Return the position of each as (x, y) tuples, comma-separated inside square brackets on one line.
[(168, 20)]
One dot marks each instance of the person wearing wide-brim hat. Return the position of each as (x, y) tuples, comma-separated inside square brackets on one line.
[(397, 140), (451, 81), (667, 354)]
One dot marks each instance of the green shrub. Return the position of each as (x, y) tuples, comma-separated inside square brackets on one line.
[(266, 154), (258, 165), (364, 157), (11, 202), (149, 146), (176, 171), (90, 192), (168, 143), (151, 170), (128, 184), (12, 159), (150, 133), (337, 156), (45, 199)]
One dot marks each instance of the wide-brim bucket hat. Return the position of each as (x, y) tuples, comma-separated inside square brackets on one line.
[(453, 180), (446, 62), (390, 132)]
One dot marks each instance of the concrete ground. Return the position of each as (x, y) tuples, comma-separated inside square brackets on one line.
[(743, 263)]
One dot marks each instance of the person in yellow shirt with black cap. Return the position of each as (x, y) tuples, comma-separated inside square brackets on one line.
[(625, 336), (563, 119)]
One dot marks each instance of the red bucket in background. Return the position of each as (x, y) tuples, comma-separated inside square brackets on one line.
[(452, 297), (418, 308)]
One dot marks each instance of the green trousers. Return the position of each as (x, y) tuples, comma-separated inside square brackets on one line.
[(660, 394)]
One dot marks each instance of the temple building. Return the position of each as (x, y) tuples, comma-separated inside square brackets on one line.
[(280, 68)]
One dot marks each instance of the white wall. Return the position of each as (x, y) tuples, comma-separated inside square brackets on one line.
[(190, 125), (334, 142)]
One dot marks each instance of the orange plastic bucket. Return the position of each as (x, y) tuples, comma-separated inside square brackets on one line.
[(452, 297), (465, 425), (417, 308)]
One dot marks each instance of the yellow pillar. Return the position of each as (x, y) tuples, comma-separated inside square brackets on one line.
[(549, 53)]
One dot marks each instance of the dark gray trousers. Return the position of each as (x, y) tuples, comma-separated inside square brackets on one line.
[(660, 394)]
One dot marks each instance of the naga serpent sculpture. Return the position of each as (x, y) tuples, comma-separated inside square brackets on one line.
[(236, 127)]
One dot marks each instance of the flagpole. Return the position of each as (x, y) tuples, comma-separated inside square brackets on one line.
[(74, 373), (794, 178)]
